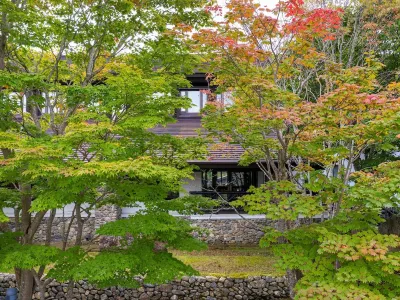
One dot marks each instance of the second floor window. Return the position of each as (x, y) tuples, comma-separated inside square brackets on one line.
[(198, 98)]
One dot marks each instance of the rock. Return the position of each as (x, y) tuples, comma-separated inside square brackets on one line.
[(103, 297), (177, 292), (258, 283), (211, 278), (185, 283), (228, 283), (144, 296), (165, 288), (192, 279)]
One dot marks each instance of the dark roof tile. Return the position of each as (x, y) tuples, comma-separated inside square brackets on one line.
[(191, 127)]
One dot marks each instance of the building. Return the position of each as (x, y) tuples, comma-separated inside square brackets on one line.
[(219, 176)]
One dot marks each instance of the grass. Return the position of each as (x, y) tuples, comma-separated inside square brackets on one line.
[(234, 262), (231, 262)]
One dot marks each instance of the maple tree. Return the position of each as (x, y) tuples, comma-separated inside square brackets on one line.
[(305, 119), (82, 82)]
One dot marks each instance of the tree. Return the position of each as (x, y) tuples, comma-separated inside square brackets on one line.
[(305, 145), (367, 27), (82, 82)]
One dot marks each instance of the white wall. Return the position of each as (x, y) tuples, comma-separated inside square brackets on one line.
[(192, 185), (9, 212), (128, 211)]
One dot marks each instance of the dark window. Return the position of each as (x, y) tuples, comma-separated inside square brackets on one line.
[(228, 181), (226, 186)]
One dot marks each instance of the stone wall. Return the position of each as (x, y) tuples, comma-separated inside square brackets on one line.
[(221, 231), (217, 231), (210, 288), (59, 229), (105, 214), (232, 232)]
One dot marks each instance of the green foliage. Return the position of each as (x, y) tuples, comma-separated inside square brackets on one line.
[(82, 83), (305, 110), (280, 200), (66, 263), (329, 257), (138, 261), (15, 255), (8, 198), (158, 226), (340, 292)]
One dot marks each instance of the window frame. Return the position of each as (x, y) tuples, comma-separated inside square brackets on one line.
[(203, 99), (214, 178)]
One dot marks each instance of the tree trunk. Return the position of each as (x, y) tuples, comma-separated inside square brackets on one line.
[(79, 223), (40, 284), (292, 276), (26, 217), (78, 242), (25, 280), (66, 234), (49, 225), (16, 219), (26, 285), (3, 40)]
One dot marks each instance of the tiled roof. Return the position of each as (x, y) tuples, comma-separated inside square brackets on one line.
[(191, 127), (185, 127), (225, 152)]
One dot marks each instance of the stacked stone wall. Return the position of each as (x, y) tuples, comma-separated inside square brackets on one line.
[(232, 232), (221, 231), (59, 229), (209, 288), (216, 232)]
